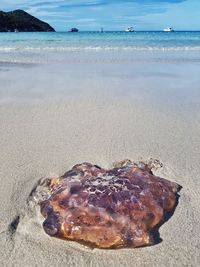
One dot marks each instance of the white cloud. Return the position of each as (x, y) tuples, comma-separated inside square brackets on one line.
[(112, 14)]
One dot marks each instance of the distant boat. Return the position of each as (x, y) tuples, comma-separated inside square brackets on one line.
[(74, 30), (168, 29), (101, 30), (129, 29)]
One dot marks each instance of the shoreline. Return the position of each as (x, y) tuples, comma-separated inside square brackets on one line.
[(163, 78)]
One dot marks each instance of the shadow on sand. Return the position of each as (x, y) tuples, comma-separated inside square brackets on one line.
[(154, 233)]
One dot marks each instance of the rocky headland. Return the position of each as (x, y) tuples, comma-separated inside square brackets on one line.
[(19, 20)]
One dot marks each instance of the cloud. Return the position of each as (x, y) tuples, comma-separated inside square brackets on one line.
[(83, 3), (111, 13)]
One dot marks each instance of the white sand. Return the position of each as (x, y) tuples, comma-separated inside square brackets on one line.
[(47, 138)]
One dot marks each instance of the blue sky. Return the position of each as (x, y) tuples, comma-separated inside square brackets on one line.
[(112, 14)]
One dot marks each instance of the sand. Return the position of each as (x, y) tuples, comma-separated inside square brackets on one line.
[(46, 137)]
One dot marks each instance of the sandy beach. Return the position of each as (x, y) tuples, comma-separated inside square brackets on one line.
[(53, 116)]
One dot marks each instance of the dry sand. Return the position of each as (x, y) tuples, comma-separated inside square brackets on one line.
[(45, 139)]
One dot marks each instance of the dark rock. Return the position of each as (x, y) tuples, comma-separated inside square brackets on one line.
[(21, 21)]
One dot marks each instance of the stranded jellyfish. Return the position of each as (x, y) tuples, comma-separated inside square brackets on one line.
[(111, 208)]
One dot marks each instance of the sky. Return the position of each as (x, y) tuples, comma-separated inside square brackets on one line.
[(112, 14)]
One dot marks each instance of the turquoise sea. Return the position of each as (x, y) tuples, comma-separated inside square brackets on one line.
[(131, 41), (152, 65)]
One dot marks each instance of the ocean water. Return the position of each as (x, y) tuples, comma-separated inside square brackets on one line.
[(122, 46), (135, 41), (156, 66)]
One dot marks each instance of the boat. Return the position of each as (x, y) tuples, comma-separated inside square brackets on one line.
[(129, 29), (74, 30), (168, 29), (101, 30)]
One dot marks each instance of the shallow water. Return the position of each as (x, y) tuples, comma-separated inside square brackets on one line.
[(150, 67), (96, 41), (160, 82)]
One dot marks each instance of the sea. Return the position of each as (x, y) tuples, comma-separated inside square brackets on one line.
[(151, 64), (95, 41), (145, 41)]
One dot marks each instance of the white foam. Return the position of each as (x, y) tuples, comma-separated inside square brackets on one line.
[(97, 48)]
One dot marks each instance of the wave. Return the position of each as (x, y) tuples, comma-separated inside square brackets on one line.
[(97, 48)]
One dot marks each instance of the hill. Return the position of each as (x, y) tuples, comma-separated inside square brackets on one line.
[(19, 20)]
